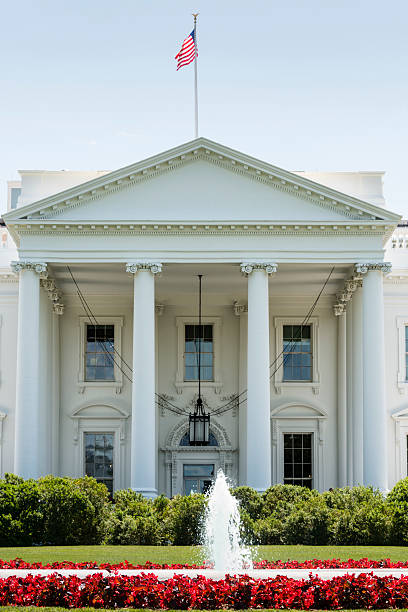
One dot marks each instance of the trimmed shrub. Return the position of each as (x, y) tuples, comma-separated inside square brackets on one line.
[(73, 510), (397, 500), (21, 518), (183, 519), (307, 523)]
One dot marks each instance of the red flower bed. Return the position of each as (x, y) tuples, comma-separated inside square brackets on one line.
[(312, 564), (181, 592)]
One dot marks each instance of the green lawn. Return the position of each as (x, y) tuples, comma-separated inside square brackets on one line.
[(195, 554)]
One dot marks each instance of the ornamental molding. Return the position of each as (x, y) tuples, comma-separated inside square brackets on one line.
[(54, 294), (8, 277), (214, 153), (249, 267), (124, 228), (346, 294), (91, 411), (24, 264), (240, 309), (384, 266), (182, 427), (159, 309), (135, 267)]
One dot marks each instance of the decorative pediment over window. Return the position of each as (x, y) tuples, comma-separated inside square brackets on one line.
[(99, 412), (298, 410), (401, 414)]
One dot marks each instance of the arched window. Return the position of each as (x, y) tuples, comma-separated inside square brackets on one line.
[(212, 440)]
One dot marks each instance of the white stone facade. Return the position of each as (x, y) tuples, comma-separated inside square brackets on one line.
[(266, 241)]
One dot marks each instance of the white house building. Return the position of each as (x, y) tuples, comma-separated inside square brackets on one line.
[(303, 347)]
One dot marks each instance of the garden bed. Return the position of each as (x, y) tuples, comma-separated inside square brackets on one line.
[(182, 592), (126, 565)]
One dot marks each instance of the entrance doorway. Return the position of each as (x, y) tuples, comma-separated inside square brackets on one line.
[(197, 478)]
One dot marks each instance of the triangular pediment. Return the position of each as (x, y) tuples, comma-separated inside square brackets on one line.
[(200, 181)]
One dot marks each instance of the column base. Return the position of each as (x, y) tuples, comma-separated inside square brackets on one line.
[(151, 493)]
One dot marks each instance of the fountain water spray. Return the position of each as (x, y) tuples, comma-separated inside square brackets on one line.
[(222, 530)]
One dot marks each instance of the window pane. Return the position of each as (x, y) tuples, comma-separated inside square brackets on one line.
[(99, 457), (99, 352), (198, 343), (198, 470), (297, 353), (297, 459)]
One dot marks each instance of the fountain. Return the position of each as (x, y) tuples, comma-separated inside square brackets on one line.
[(222, 538)]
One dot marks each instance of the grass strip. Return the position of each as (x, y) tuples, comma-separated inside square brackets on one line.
[(195, 554)]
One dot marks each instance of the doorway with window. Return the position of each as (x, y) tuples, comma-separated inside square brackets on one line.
[(197, 478), (99, 458)]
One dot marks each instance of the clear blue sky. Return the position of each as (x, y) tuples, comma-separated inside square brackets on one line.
[(303, 84)]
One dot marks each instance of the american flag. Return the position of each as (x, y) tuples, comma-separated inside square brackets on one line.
[(187, 52)]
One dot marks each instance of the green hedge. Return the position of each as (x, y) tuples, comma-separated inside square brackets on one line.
[(66, 511)]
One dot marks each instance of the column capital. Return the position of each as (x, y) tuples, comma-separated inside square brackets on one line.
[(58, 308), (384, 266), (339, 309), (249, 266), (134, 267), (39, 267), (240, 309)]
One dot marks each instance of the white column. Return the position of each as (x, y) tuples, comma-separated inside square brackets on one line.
[(375, 423), (349, 350), (340, 312), (57, 311), (144, 449), (241, 311), (357, 386), (27, 417), (258, 403)]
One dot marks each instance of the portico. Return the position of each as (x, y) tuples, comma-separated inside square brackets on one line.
[(286, 387)]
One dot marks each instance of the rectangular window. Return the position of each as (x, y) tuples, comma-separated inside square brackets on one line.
[(197, 478), (193, 345), (15, 193), (99, 352), (99, 458), (297, 353), (297, 460), (406, 352)]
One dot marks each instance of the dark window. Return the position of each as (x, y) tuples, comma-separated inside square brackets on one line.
[(297, 352), (185, 440), (99, 352), (99, 458), (197, 478), (193, 345), (297, 459)]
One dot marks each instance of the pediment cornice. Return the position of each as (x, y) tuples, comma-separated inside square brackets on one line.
[(352, 209), (61, 227)]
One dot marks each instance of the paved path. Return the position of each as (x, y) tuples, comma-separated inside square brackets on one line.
[(209, 573)]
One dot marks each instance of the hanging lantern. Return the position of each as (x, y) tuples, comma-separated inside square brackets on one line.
[(199, 425), (199, 421)]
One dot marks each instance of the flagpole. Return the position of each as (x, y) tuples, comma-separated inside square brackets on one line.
[(195, 15)]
